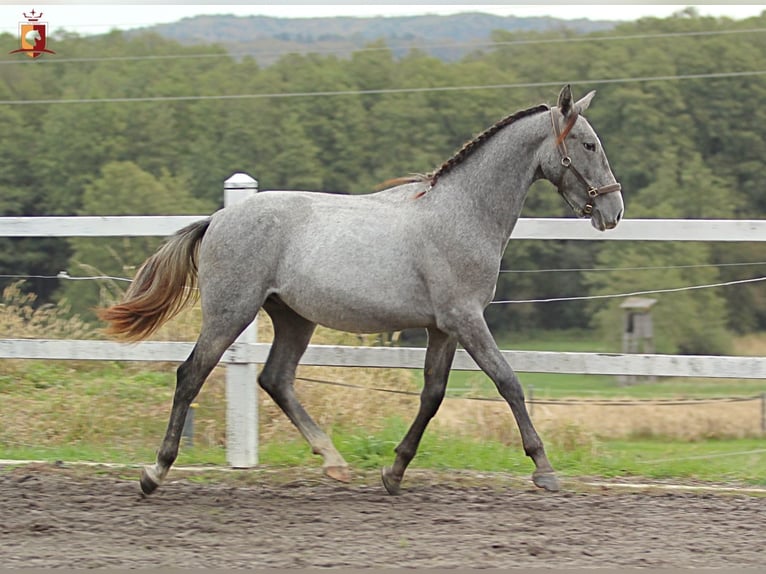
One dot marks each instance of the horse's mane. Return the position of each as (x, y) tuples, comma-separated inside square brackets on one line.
[(463, 153)]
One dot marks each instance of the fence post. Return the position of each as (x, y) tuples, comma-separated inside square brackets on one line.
[(241, 383)]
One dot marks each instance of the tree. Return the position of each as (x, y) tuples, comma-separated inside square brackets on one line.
[(122, 188), (687, 321)]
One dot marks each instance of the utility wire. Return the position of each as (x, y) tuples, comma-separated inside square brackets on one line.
[(424, 46), (708, 76)]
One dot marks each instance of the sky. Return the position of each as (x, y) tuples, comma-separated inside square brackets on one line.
[(95, 18)]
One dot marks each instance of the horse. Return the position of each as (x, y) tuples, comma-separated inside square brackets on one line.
[(32, 37), (424, 252)]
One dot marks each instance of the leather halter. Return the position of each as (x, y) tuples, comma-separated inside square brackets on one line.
[(566, 161)]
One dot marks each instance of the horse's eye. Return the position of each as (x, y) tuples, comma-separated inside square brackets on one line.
[(589, 146)]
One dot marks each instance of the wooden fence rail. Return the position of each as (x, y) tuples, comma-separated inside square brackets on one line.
[(243, 356)]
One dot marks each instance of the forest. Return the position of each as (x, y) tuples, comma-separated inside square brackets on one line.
[(116, 125)]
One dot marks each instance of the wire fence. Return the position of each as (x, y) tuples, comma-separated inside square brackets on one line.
[(621, 402), (64, 275)]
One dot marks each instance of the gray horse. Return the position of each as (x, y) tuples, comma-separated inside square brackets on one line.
[(423, 253)]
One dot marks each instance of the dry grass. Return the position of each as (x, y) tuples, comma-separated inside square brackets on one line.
[(588, 423), (36, 410), (20, 318), (751, 345)]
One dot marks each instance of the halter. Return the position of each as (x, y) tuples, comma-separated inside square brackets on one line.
[(566, 161)]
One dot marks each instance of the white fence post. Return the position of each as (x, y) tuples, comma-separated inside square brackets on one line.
[(241, 383)]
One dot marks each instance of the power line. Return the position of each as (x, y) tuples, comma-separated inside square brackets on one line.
[(424, 46), (714, 75)]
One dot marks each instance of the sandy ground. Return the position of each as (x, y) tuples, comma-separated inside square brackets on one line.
[(94, 518)]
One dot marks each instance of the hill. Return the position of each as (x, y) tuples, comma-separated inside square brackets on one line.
[(446, 37)]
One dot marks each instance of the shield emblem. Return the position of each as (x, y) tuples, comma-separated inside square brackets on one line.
[(32, 37)]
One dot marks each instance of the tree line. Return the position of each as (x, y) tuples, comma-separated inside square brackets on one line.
[(688, 144)]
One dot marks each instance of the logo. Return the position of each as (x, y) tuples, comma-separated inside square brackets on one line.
[(32, 36)]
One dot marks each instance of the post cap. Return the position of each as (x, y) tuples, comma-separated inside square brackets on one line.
[(240, 181)]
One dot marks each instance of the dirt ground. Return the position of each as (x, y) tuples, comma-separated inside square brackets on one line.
[(94, 518)]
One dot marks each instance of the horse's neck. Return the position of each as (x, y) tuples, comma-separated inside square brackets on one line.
[(489, 187)]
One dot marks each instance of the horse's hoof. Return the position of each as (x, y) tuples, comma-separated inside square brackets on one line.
[(547, 481), (148, 482), (391, 484), (339, 473)]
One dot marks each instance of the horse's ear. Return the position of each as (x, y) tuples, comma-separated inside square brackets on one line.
[(584, 102), (565, 100)]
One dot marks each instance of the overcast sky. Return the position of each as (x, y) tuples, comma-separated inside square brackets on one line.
[(93, 18)]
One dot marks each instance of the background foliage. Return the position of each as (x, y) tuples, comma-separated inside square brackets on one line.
[(682, 148)]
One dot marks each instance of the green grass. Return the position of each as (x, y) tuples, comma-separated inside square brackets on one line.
[(741, 460), (550, 385), (547, 385), (117, 412)]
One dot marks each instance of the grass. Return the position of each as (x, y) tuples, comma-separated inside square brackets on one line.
[(551, 385), (722, 461), (117, 412)]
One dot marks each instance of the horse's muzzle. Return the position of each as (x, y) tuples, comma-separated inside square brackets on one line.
[(602, 223)]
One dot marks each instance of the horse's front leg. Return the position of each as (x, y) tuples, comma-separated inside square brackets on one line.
[(439, 355), (476, 338)]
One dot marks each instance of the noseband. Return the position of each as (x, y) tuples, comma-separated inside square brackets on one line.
[(566, 161)]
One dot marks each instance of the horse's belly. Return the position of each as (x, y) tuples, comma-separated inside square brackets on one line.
[(360, 310)]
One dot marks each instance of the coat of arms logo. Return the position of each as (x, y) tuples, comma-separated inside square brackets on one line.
[(33, 36)]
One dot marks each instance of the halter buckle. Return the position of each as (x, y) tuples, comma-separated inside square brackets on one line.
[(593, 192), (587, 209)]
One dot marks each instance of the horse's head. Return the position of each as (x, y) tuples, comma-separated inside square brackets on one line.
[(32, 37), (574, 161)]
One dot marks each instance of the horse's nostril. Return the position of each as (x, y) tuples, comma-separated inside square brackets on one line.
[(619, 216)]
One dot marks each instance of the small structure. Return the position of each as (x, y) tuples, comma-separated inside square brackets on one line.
[(637, 332)]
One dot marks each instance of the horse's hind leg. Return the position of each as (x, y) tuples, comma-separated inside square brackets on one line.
[(439, 355), (292, 334), (190, 377), (220, 328)]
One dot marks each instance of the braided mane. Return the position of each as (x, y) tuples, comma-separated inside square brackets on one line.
[(464, 152)]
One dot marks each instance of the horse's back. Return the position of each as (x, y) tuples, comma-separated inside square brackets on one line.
[(348, 262)]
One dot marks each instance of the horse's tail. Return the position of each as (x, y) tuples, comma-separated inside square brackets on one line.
[(162, 287)]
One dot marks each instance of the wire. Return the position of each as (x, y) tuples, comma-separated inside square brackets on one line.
[(714, 75), (424, 46), (588, 402), (65, 275), (632, 294), (648, 268)]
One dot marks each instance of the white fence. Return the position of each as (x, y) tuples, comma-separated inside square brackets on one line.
[(243, 356)]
